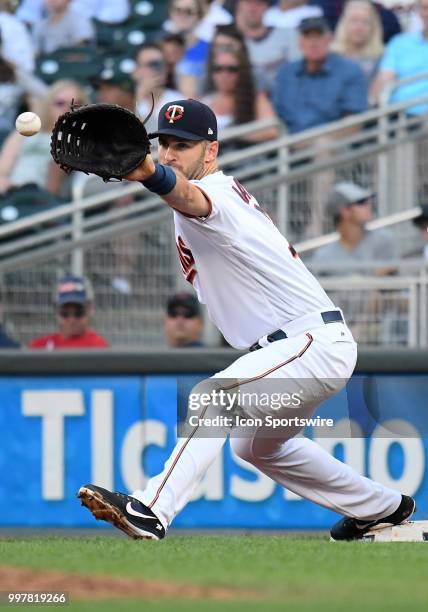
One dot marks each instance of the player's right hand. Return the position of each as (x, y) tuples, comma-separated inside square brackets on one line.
[(143, 171)]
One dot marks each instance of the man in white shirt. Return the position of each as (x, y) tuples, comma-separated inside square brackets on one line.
[(108, 11), (16, 44), (62, 27), (216, 15), (268, 47), (260, 295)]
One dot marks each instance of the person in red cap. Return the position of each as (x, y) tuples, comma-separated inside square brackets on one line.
[(75, 308)]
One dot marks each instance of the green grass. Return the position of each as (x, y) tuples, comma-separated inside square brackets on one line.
[(292, 573)]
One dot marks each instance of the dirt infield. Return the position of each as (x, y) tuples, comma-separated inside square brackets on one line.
[(16, 579)]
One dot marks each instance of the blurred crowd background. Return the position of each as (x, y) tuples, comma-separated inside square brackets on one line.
[(293, 65)]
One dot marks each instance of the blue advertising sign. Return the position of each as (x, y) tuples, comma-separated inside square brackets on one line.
[(57, 433)]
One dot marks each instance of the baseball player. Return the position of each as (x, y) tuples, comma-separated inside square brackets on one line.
[(261, 296)]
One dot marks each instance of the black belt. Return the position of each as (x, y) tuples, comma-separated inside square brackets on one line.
[(330, 316)]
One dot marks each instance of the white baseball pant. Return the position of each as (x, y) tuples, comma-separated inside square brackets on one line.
[(323, 355)]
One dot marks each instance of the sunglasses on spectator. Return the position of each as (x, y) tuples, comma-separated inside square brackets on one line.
[(189, 12), (361, 202), (154, 65), (187, 314), (77, 312), (231, 69)]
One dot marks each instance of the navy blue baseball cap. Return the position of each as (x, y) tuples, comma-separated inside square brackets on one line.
[(74, 290), (188, 119), (184, 303)]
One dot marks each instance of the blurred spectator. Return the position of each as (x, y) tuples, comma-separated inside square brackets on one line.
[(16, 88), (216, 15), (421, 222), (349, 206), (74, 308), (16, 44), (405, 56), (358, 36), (150, 76), (184, 18), (268, 47), (115, 84), (62, 27), (226, 38), (411, 18), (108, 11), (289, 13), (333, 9), (5, 340), (28, 160), (232, 95), (183, 324), (320, 88), (173, 48)]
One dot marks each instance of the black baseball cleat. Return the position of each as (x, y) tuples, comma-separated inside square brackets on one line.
[(354, 529), (123, 511)]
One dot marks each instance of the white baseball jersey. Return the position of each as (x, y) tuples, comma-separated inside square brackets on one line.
[(248, 275)]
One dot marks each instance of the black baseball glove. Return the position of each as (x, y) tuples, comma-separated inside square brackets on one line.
[(102, 139)]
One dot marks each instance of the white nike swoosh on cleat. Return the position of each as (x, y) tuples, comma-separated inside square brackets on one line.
[(131, 510), (364, 525)]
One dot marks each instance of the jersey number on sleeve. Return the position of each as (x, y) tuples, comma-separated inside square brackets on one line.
[(187, 260)]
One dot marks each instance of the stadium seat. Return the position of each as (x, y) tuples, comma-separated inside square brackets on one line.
[(125, 37), (152, 13), (25, 200), (79, 63)]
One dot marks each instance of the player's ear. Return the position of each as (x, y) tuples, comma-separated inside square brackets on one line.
[(211, 151)]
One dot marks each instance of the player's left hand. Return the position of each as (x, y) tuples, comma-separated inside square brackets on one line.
[(102, 139)]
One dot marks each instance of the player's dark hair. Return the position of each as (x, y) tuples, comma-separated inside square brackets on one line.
[(245, 93)]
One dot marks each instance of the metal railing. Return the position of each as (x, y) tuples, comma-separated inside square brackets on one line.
[(395, 84), (291, 177), (382, 311)]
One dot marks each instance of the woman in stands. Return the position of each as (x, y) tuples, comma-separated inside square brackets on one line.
[(226, 37), (359, 36), (150, 76), (185, 16), (232, 94), (28, 160)]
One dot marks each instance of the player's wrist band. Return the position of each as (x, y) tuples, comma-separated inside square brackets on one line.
[(162, 181)]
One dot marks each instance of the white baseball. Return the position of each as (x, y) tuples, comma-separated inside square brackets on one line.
[(28, 124)]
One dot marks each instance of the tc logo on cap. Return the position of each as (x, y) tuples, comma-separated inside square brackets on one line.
[(174, 112)]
